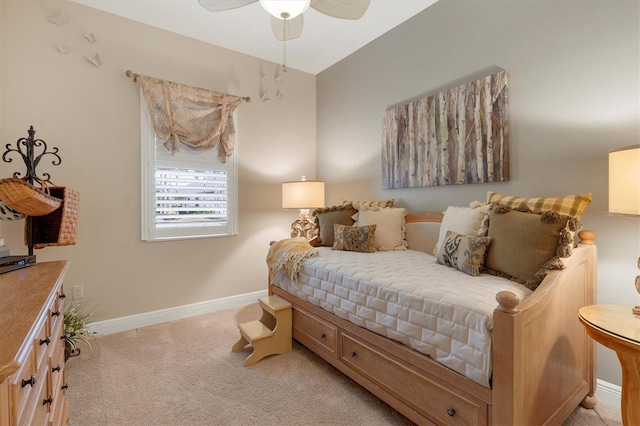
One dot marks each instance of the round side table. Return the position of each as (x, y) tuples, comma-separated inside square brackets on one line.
[(616, 327)]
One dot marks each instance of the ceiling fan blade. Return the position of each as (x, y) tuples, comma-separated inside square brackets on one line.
[(220, 5), (343, 9), (291, 30)]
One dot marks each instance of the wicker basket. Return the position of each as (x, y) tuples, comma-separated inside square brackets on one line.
[(60, 227), (25, 198)]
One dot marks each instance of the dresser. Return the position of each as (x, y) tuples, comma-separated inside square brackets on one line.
[(32, 383)]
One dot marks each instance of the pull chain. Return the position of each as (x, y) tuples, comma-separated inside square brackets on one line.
[(285, 16)]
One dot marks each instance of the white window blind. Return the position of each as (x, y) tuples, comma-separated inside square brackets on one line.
[(190, 197)]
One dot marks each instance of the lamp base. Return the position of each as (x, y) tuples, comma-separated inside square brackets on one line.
[(303, 227)]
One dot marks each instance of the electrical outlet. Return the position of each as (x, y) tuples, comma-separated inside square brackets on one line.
[(78, 291)]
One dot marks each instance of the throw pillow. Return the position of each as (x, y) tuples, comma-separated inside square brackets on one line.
[(525, 247), (391, 226), (354, 238), (570, 205), (326, 218), (465, 253), (464, 221)]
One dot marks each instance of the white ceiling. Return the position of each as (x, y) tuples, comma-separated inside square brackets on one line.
[(324, 40)]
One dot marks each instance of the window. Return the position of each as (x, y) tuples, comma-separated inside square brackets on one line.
[(186, 195)]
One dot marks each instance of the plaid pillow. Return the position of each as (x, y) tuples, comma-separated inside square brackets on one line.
[(571, 205)]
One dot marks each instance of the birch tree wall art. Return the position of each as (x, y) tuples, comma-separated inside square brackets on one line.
[(457, 136)]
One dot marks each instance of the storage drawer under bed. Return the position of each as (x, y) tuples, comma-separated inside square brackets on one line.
[(311, 330), (415, 389)]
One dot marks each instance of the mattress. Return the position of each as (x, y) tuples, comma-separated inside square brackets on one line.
[(408, 297)]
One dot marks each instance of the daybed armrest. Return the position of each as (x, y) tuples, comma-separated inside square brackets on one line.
[(542, 337)]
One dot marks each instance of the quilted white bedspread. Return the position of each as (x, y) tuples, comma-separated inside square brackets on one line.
[(408, 297)]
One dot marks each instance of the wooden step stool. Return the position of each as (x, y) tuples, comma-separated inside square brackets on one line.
[(269, 335)]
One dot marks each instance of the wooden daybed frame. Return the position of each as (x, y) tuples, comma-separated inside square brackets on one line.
[(543, 361)]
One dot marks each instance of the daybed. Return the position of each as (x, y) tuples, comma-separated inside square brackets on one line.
[(540, 365)]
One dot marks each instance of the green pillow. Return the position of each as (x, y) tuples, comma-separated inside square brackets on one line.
[(526, 246), (326, 218)]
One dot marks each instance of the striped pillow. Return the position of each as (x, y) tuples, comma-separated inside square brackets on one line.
[(571, 205)]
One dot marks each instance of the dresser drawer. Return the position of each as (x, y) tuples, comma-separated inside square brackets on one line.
[(43, 341), (415, 389), (56, 367), (312, 330), (59, 414), (42, 407), (24, 384)]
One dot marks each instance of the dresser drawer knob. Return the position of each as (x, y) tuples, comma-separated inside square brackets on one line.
[(64, 387), (55, 313), (43, 341), (323, 335), (31, 381), (451, 412), (48, 400), (56, 368), (353, 354), (62, 296)]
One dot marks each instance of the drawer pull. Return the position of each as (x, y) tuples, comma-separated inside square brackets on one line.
[(55, 313), (48, 400), (43, 341), (64, 387), (323, 335), (56, 368), (31, 381), (451, 412), (62, 296), (353, 354)]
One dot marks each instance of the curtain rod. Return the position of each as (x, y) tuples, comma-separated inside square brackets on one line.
[(135, 76)]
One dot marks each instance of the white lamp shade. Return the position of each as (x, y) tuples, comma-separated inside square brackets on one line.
[(292, 7), (305, 194), (624, 181)]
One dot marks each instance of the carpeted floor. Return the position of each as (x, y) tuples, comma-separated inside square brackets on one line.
[(183, 373)]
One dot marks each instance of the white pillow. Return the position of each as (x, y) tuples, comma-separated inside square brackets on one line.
[(464, 221), (390, 226)]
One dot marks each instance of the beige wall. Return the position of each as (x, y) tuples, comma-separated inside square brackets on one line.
[(92, 115), (573, 68)]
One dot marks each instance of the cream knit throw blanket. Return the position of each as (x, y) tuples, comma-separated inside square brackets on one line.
[(287, 256)]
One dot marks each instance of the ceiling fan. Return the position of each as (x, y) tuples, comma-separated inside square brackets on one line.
[(286, 15)]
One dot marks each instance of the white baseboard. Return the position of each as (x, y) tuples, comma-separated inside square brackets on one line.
[(132, 322), (608, 393)]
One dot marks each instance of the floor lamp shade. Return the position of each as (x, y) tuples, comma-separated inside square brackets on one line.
[(304, 194), (624, 181)]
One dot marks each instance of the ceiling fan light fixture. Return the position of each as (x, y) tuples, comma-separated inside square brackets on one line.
[(285, 9)]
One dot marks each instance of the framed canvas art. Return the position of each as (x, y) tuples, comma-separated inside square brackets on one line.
[(457, 136)]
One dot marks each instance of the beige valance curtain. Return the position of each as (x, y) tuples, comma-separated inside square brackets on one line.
[(199, 119)]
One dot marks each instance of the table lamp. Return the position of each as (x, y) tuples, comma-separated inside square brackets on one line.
[(624, 188), (304, 195)]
